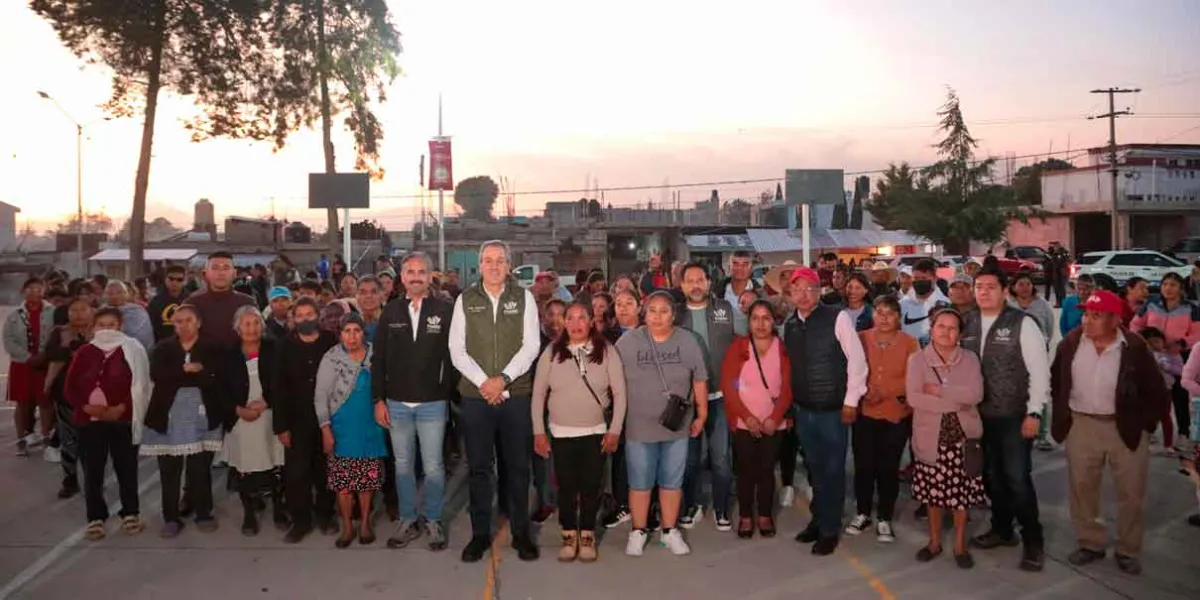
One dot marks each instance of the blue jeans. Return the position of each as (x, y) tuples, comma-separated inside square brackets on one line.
[(424, 424), (824, 439), (715, 440), (1008, 478), (656, 463)]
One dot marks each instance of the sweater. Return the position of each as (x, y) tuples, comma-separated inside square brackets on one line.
[(737, 358), (216, 315), (961, 391), (166, 371), (91, 369), (558, 385), (1042, 313), (237, 378), (161, 309), (296, 381), (1181, 323), (1141, 397), (887, 370)]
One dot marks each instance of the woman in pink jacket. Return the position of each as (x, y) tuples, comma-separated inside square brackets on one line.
[(1179, 320)]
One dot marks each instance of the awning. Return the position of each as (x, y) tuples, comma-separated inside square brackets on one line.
[(719, 243), (122, 254), (239, 260), (787, 240)]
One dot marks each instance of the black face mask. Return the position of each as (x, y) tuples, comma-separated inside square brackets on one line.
[(307, 327), (922, 287)]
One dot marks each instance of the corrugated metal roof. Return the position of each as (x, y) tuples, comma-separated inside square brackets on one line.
[(239, 260), (148, 254), (787, 240), (725, 242)]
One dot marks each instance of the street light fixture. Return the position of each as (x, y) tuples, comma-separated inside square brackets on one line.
[(78, 179)]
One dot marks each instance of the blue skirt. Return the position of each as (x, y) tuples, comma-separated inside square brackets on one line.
[(187, 429)]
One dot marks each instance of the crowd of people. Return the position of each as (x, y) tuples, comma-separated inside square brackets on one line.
[(614, 402)]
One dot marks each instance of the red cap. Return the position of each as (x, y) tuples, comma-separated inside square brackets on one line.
[(543, 275), (1104, 301), (806, 274)]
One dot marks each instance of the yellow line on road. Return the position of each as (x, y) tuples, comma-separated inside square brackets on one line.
[(857, 564), (493, 567)]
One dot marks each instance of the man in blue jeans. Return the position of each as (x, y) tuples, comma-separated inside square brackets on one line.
[(829, 376), (711, 319), (494, 341), (411, 378)]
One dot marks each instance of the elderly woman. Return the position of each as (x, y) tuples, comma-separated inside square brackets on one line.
[(108, 377), (944, 386), (1023, 296), (664, 368), (184, 421), (251, 446), (580, 380), (64, 341), (349, 433), (756, 382)]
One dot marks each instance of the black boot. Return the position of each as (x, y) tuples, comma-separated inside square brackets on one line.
[(249, 515), (280, 515)]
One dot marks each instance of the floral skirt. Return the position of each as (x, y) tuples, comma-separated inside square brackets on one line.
[(355, 474), (946, 484)]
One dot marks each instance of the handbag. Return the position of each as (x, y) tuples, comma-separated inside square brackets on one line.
[(675, 413), (607, 410), (972, 448)]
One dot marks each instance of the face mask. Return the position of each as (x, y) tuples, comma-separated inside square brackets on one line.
[(307, 327), (922, 287)]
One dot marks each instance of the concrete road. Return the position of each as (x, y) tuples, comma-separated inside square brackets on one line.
[(43, 555)]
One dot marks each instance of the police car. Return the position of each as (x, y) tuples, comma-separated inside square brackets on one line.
[(1112, 268)]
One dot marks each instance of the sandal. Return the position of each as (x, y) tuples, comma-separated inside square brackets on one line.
[(927, 554), (95, 531), (344, 542), (745, 528), (132, 524), (766, 527)]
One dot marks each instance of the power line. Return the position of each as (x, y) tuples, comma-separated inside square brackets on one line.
[(1112, 115)]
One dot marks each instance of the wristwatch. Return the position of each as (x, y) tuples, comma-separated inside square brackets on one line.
[(506, 378)]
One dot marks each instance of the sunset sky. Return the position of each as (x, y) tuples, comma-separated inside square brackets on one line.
[(549, 93)]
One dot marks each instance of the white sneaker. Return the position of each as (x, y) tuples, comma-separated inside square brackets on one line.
[(808, 492), (673, 540), (883, 532), (858, 525), (788, 497), (34, 439), (636, 543), (692, 518), (51, 455)]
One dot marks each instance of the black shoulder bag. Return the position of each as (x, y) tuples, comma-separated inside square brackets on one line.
[(972, 448), (674, 415), (607, 410)]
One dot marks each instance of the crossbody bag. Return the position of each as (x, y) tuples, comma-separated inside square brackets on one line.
[(607, 410), (675, 413)]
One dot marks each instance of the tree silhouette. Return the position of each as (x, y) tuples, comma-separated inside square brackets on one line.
[(206, 50), (1027, 181), (476, 196), (839, 220)]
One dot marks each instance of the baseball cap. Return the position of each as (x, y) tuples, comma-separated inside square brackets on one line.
[(962, 278), (806, 274), (906, 270), (543, 276), (974, 261), (279, 292), (1104, 301)]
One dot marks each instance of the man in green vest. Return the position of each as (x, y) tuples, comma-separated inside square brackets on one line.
[(494, 341)]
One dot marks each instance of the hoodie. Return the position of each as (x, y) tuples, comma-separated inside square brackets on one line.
[(914, 313)]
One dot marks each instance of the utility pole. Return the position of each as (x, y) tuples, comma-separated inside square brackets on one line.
[(1117, 240)]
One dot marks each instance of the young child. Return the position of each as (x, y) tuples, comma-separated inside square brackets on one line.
[(1171, 364)]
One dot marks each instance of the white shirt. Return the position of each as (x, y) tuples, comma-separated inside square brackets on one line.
[(914, 313), (414, 315), (1094, 377), (856, 359), (521, 361), (1035, 356)]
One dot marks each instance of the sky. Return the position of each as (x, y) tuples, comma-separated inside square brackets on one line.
[(561, 96)]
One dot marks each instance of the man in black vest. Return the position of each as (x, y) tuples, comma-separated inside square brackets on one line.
[(1016, 389), (829, 376), (494, 343), (413, 378)]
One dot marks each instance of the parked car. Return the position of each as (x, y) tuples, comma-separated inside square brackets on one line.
[(1187, 250), (1036, 255), (1111, 268), (525, 275)]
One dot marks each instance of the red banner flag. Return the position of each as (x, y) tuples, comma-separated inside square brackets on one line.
[(441, 172)]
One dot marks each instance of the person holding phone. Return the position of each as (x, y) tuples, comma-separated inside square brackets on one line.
[(884, 424)]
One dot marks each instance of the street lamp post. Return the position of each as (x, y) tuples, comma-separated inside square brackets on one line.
[(78, 180)]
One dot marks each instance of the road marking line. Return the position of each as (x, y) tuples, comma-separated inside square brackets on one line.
[(873, 581), (49, 558), (491, 586)]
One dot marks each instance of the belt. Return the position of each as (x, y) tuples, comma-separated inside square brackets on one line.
[(1112, 417)]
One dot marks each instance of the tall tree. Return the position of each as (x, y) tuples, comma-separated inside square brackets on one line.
[(735, 212), (953, 201), (779, 191), (862, 189), (329, 58), (200, 49), (477, 195), (839, 220), (1027, 181)]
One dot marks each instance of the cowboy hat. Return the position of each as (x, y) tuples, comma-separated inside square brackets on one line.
[(774, 276), (880, 265)]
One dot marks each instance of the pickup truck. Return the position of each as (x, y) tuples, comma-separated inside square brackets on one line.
[(525, 274)]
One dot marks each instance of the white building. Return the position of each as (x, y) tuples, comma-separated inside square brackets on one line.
[(1158, 193), (8, 226)]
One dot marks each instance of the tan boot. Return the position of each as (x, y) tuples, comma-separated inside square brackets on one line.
[(570, 547), (587, 546)]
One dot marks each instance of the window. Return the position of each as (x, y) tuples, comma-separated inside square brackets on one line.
[(1128, 260), (1088, 259), (1158, 260)]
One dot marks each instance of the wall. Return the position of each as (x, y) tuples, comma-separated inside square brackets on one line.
[(1140, 187), (238, 231), (1040, 233)]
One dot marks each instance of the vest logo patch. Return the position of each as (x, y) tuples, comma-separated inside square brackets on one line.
[(720, 315), (433, 324), (1004, 335), (476, 308), (510, 307)]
